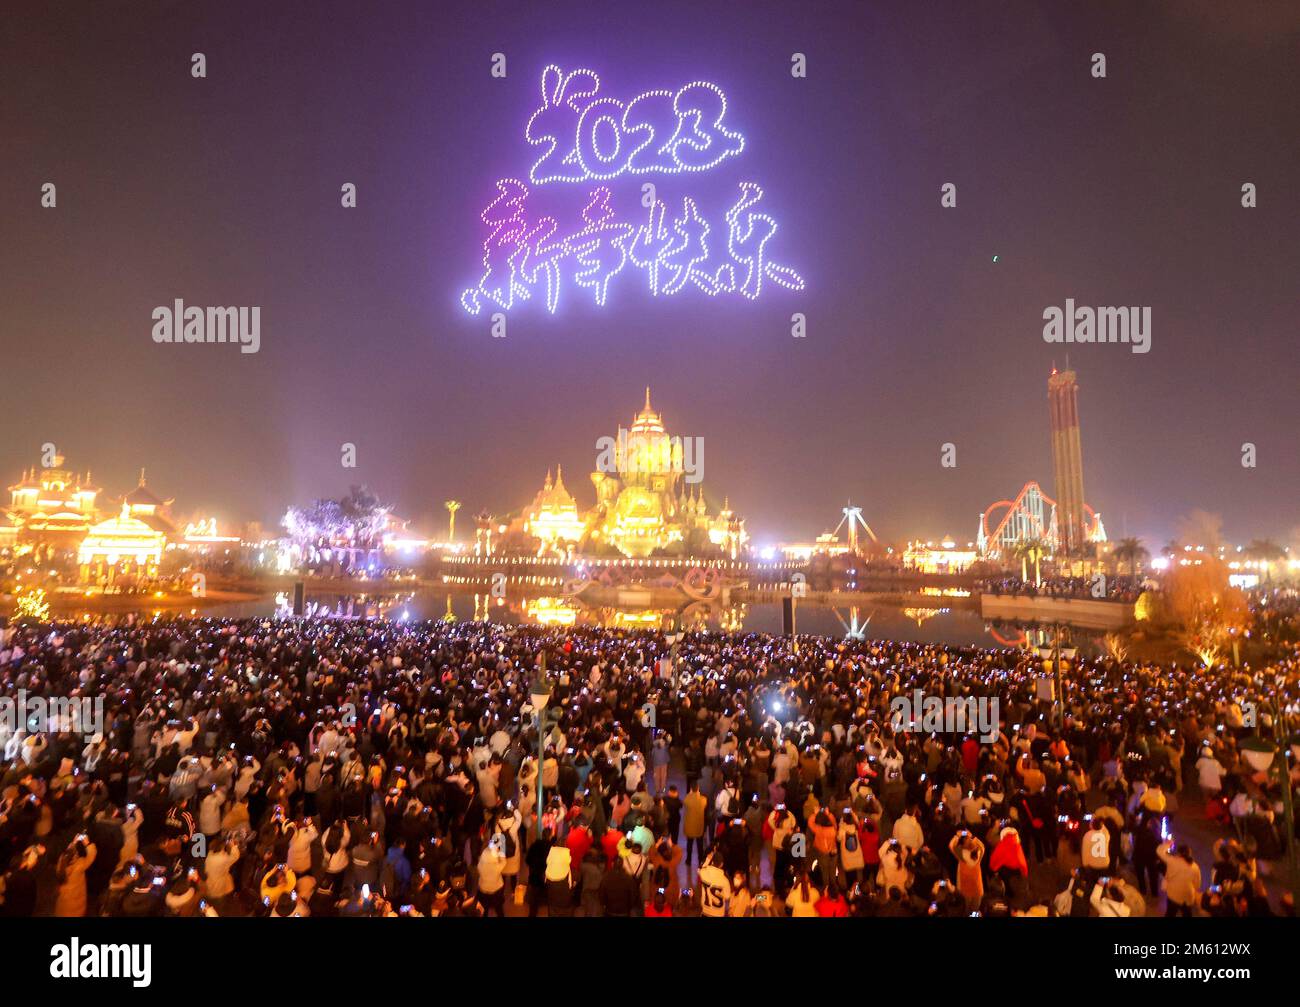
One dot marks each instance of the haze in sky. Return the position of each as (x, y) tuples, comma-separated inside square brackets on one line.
[(924, 323)]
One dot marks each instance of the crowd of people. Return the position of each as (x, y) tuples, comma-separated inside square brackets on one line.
[(373, 768), (1098, 587)]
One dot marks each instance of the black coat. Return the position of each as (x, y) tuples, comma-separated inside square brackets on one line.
[(20, 894), (620, 893), (535, 858)]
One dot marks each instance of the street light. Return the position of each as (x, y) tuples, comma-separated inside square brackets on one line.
[(673, 640), (1052, 657), (540, 693)]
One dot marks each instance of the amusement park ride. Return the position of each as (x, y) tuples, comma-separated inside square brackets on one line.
[(1030, 517), (853, 515)]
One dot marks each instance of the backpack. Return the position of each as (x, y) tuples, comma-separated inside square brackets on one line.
[(508, 844), (851, 841)]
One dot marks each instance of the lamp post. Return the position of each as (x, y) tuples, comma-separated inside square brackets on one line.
[(540, 693), (1052, 658), (673, 640)]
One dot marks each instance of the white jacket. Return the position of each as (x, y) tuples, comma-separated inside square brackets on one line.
[(210, 811), (1107, 906), (300, 848), (1210, 772), (907, 830)]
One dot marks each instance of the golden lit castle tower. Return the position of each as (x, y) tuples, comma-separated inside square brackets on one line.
[(644, 497)]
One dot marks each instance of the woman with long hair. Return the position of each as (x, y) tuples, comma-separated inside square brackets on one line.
[(968, 851), (74, 862), (741, 899), (801, 901)]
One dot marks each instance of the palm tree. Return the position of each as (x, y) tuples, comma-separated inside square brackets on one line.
[(1035, 549), (1130, 550), (452, 507), (1019, 551)]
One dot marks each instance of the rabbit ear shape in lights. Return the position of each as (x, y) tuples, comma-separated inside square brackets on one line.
[(586, 138)]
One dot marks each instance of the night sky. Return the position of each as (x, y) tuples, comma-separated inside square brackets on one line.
[(226, 191)]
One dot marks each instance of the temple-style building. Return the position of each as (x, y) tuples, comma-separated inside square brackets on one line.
[(122, 549), (57, 514), (552, 518), (51, 509), (143, 505), (645, 501)]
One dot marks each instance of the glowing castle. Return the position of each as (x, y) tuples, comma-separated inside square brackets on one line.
[(51, 508), (648, 500)]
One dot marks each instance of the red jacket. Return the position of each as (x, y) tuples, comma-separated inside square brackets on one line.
[(579, 842), (870, 840), (1009, 854), (609, 843)]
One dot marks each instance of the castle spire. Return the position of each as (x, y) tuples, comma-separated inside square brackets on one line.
[(142, 476), (647, 399)]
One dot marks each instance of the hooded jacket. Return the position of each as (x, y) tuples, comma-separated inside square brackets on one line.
[(1008, 854)]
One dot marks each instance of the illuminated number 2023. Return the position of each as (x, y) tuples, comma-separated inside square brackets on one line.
[(588, 137)]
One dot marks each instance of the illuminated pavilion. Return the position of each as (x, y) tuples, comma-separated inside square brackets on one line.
[(121, 548), (54, 511), (143, 505)]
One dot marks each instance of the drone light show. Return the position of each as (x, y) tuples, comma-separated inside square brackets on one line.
[(669, 244)]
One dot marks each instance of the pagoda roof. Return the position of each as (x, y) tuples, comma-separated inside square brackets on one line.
[(554, 493), (647, 420), (124, 527), (158, 523), (143, 495)]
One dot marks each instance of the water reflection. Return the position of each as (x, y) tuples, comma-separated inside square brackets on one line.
[(923, 624)]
